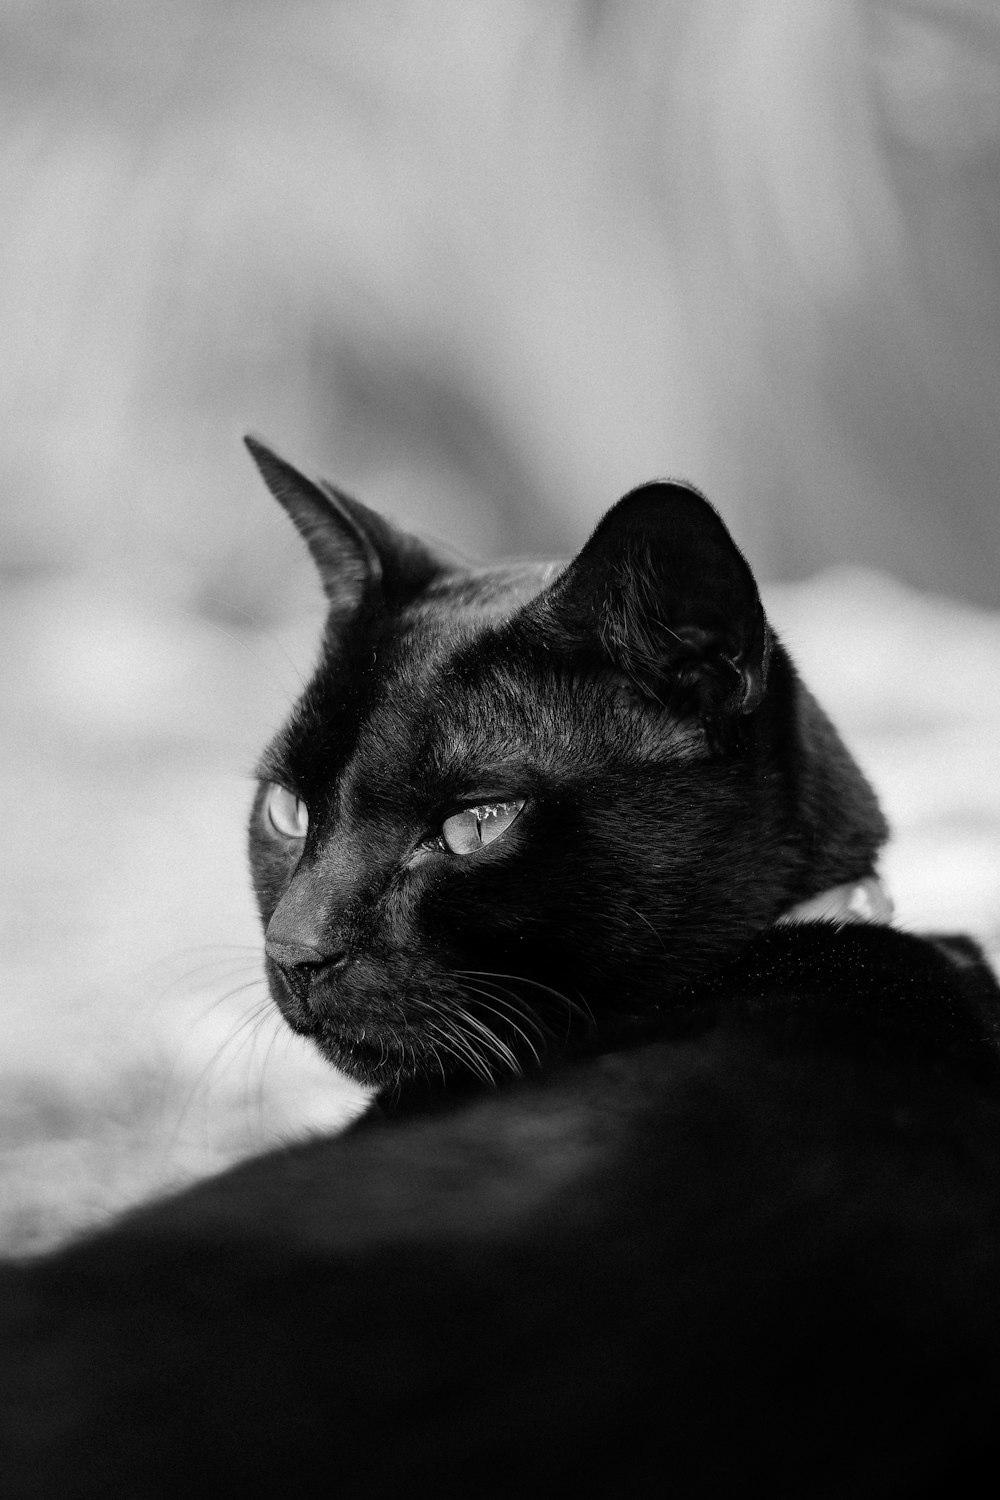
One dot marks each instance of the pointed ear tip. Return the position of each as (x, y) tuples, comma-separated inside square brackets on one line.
[(666, 489), (269, 463), (257, 447), (665, 501)]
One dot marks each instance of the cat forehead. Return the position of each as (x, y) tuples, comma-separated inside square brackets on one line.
[(495, 590), (474, 707), (453, 644), (454, 688), (385, 683), (449, 692)]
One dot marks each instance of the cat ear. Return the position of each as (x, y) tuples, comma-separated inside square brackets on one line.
[(358, 553), (663, 592)]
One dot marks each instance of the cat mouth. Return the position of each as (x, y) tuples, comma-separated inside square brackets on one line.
[(374, 1056), (381, 1056), (478, 1036)]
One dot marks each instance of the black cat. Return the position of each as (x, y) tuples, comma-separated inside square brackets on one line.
[(732, 1221), (514, 814)]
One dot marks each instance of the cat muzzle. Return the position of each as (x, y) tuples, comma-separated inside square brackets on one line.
[(301, 966)]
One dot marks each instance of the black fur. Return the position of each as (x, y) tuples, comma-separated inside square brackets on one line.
[(683, 788), (736, 1229)]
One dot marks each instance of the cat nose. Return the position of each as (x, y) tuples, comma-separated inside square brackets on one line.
[(291, 955), (300, 957), (300, 938)]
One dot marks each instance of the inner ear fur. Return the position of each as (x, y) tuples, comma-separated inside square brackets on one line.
[(662, 592)]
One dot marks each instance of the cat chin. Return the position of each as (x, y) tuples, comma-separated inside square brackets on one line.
[(365, 1062), (400, 1065), (377, 1061), (367, 1054)]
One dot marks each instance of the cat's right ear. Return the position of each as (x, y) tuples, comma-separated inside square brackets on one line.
[(359, 554), (662, 594)]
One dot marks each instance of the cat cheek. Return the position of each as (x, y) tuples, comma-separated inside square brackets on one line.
[(401, 926)]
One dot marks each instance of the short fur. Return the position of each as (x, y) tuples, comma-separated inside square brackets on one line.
[(732, 1223), (684, 791)]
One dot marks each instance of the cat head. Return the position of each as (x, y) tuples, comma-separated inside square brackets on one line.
[(520, 807)]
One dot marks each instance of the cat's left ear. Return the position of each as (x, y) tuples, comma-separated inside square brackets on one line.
[(358, 553), (662, 593)]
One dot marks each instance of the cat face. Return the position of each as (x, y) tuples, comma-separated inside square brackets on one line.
[(518, 808)]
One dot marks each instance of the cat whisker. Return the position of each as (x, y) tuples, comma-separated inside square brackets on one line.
[(277, 1030), (508, 1019), (209, 972), (252, 1022), (459, 1046), (192, 950), (491, 1041), (230, 994), (164, 967), (513, 1005), (261, 1020), (477, 1041), (579, 1006), (439, 1046), (440, 1062), (472, 1049), (252, 648), (659, 937)]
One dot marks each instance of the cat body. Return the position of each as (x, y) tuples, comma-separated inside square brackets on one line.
[(667, 1195), (761, 1257)]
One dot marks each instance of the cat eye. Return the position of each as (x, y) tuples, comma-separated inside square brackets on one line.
[(286, 813), (472, 828)]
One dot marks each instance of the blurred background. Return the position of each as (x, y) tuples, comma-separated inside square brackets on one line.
[(488, 265)]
